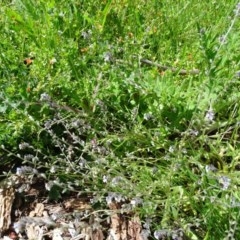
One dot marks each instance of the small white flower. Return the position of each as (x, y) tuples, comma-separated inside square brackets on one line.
[(48, 124), (171, 149), (105, 179), (53, 169), (145, 234), (23, 188), (82, 162), (114, 197), (35, 160), (116, 180), (119, 198), (148, 116), (45, 97), (86, 35), (194, 132), (108, 57), (76, 124), (210, 168), (136, 201), (28, 157), (209, 117), (26, 170), (23, 146), (223, 39), (147, 223), (49, 185), (109, 199), (225, 182), (160, 234)]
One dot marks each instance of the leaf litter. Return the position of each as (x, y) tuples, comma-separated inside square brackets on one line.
[(30, 215)]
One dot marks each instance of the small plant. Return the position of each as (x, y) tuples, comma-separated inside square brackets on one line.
[(91, 119)]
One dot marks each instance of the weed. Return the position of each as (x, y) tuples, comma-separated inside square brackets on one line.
[(89, 117)]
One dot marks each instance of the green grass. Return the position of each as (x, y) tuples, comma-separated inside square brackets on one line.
[(118, 127)]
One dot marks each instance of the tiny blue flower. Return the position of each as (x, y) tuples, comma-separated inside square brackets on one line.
[(209, 115), (160, 234), (225, 182), (45, 97)]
